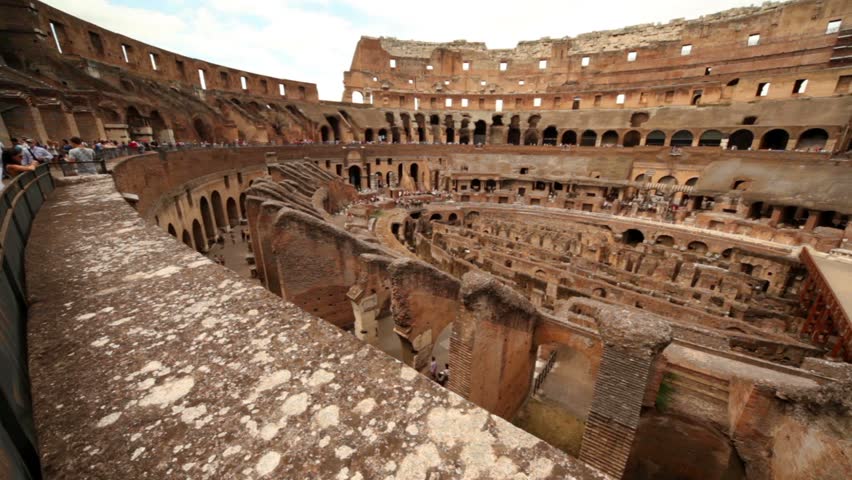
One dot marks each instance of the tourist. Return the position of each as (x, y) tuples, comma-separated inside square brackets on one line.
[(13, 162), (39, 152), (444, 376), (83, 156), (28, 156), (433, 369)]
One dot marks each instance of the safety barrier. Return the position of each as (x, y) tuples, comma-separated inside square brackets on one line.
[(21, 200)]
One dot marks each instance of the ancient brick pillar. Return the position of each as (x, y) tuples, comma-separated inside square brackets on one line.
[(491, 349), (632, 342)]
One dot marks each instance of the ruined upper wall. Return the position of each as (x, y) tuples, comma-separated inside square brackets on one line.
[(793, 35), (25, 28)]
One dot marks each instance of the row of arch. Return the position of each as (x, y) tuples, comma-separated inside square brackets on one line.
[(214, 214)]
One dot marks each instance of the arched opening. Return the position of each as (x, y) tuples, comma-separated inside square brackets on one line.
[(357, 97), (325, 133), (656, 138), (413, 170), (453, 218), (355, 176), (334, 122), (569, 138), (172, 231), (633, 237), (697, 247), (740, 140), (682, 138), (480, 132), (549, 136), (436, 216), (203, 130), (243, 205), (599, 292), (531, 137), (589, 138), (451, 135), (668, 180), (368, 135), (475, 184), (207, 219), (700, 449), (218, 210), (159, 127), (233, 215), (388, 179), (514, 137), (609, 138), (775, 140), (665, 240), (812, 139), (383, 135), (691, 182), (198, 236), (710, 138), (490, 185), (395, 134), (632, 139), (186, 238), (134, 119)]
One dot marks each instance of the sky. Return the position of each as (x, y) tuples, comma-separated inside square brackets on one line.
[(313, 41)]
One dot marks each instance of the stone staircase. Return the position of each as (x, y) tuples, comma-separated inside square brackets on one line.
[(712, 389)]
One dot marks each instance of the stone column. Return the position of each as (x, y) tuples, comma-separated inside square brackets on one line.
[(632, 341), (4, 133)]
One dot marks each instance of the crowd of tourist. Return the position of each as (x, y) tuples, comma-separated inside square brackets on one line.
[(26, 154)]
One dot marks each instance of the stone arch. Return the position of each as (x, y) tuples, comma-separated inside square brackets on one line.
[(207, 218), (531, 137), (243, 205), (203, 129), (354, 174), (775, 139), (357, 97), (325, 133), (609, 138), (668, 180), (550, 135), (710, 138), (480, 132), (233, 213), (812, 139), (665, 240), (681, 138), (383, 135), (741, 140), (656, 138), (198, 237), (633, 237), (632, 139), (697, 247), (589, 138), (186, 238), (368, 135), (218, 210), (514, 136), (172, 230), (569, 137), (691, 182)]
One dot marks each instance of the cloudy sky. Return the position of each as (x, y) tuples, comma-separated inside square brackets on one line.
[(314, 40)]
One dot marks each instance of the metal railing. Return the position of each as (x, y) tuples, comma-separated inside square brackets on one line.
[(539, 379), (21, 199)]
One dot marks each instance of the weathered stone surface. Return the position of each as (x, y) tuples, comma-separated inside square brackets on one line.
[(150, 361)]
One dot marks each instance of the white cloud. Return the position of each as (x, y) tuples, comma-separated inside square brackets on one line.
[(314, 41)]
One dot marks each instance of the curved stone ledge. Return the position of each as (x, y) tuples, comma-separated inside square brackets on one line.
[(148, 360)]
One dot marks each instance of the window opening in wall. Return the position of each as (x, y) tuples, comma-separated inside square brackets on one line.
[(180, 68), (762, 89), (575, 105), (464, 103), (542, 64), (448, 102), (686, 50), (643, 98), (504, 66), (619, 99), (55, 36), (753, 40), (498, 105), (201, 79), (124, 50), (446, 82), (696, 97), (392, 63), (536, 102), (750, 120), (465, 66), (429, 67), (153, 58), (282, 90), (482, 83), (521, 82), (411, 81), (482, 104), (843, 84), (800, 85), (598, 99), (833, 27), (584, 62), (243, 83), (631, 56), (708, 70), (669, 96), (95, 40), (416, 103)]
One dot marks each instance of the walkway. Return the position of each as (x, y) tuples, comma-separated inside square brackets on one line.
[(150, 361)]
